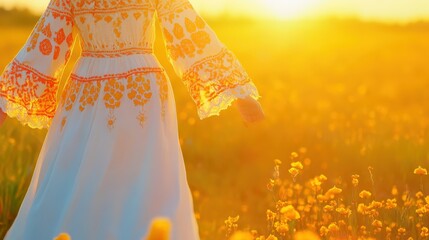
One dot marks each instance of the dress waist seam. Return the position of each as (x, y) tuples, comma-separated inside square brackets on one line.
[(116, 76), (116, 52)]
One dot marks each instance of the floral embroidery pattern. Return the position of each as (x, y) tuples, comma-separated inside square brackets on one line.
[(161, 81), (30, 94), (63, 123), (45, 47), (89, 94), (171, 9), (117, 16), (136, 85), (184, 37), (119, 28), (45, 28), (113, 92), (211, 76), (139, 92)]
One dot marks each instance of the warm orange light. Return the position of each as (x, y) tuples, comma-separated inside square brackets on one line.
[(286, 9)]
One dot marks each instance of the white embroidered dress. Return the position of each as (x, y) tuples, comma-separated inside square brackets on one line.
[(111, 160)]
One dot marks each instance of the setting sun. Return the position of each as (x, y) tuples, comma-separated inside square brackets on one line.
[(286, 9)]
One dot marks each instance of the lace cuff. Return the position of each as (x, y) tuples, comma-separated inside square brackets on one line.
[(28, 95), (216, 81)]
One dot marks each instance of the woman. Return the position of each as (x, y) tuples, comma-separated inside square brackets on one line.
[(111, 160)]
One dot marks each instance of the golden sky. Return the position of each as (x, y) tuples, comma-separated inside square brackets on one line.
[(385, 10)]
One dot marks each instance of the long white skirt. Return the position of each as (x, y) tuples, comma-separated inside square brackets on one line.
[(106, 170)]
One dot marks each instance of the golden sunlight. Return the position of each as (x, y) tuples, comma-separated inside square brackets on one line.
[(286, 9)]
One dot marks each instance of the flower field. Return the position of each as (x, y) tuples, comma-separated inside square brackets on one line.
[(342, 154)]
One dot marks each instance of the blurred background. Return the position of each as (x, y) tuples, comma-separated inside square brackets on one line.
[(343, 84)]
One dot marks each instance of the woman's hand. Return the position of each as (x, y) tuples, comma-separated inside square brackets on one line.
[(2, 117), (250, 109)]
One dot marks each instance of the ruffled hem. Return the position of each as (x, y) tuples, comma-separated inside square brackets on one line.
[(14, 110), (225, 99)]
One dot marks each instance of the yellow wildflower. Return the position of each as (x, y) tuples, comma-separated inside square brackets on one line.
[(290, 213), (377, 223), (422, 210), (271, 237), (344, 211), (277, 162), (332, 192), (419, 194), (355, 180), (401, 231), (420, 171), (160, 229), (282, 228), (271, 216), (294, 172), (305, 235), (293, 155), (324, 231), (365, 194), (297, 165), (424, 232), (322, 198), (333, 227), (328, 208), (376, 204), (322, 178), (240, 235), (63, 236), (391, 203), (271, 184)]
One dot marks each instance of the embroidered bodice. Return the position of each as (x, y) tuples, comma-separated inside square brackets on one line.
[(117, 39)]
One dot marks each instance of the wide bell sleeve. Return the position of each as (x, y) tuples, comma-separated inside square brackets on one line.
[(29, 83), (212, 73)]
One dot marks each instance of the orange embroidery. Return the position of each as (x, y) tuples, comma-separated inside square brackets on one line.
[(119, 19), (178, 31), (118, 75), (209, 77), (162, 83), (33, 41), (135, 84), (111, 9), (113, 92), (32, 90), (116, 53), (140, 93), (190, 26), (190, 45), (47, 30), (69, 39), (201, 39), (56, 52), (60, 36), (69, 94), (172, 8), (63, 122), (90, 94), (45, 47)]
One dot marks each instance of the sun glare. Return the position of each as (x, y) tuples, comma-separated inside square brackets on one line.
[(286, 9)]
